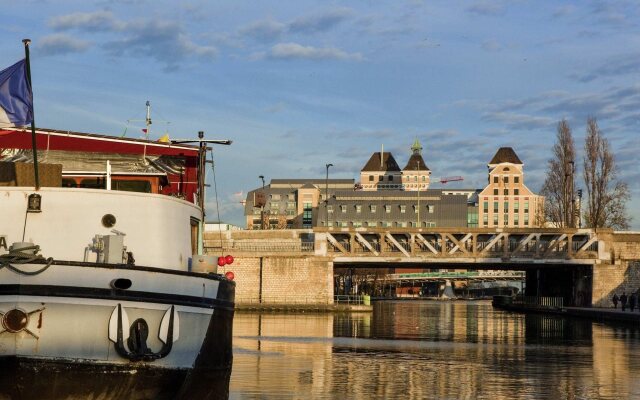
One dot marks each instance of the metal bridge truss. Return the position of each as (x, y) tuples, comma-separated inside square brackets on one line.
[(471, 243)]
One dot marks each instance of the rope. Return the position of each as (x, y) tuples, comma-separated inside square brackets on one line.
[(20, 257), (215, 190)]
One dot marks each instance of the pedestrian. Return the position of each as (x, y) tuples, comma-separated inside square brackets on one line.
[(615, 300), (632, 301), (623, 301)]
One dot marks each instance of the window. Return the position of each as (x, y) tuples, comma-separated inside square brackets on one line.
[(390, 178), (131, 186), (415, 178), (416, 209), (93, 183), (526, 219), (495, 219), (307, 215), (358, 208), (430, 208), (343, 224), (485, 219), (485, 206), (495, 179), (275, 197), (386, 224), (506, 206), (516, 220), (370, 178), (506, 179), (274, 205), (373, 208), (526, 207), (403, 209), (291, 205), (343, 208), (495, 192), (495, 207), (371, 224), (516, 191), (516, 179), (402, 224), (357, 224), (516, 207), (68, 182), (506, 192), (330, 209), (387, 209), (291, 196), (380, 177), (505, 218), (424, 178)]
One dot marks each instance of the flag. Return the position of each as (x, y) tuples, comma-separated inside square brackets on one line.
[(16, 98)]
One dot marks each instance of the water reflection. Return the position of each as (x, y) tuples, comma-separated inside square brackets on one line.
[(422, 349)]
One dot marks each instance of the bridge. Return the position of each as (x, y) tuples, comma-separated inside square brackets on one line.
[(582, 265)]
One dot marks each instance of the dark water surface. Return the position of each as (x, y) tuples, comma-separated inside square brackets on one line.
[(429, 349)]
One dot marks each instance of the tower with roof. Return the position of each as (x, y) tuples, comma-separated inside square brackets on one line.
[(416, 175), (506, 201)]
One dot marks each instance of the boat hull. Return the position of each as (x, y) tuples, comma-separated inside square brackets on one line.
[(69, 345)]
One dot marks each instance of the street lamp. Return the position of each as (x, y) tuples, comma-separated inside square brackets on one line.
[(326, 196), (262, 203)]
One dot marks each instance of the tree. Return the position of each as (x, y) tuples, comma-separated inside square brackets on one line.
[(606, 196), (559, 185)]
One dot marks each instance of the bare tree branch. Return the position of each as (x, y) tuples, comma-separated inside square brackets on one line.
[(606, 196), (559, 185)]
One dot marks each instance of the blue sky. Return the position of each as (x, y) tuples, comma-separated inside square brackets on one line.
[(298, 84)]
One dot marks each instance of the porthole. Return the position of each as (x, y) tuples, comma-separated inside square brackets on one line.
[(108, 221)]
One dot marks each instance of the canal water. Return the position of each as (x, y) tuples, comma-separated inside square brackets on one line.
[(432, 350)]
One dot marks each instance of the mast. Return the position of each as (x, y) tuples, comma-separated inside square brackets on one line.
[(33, 123)]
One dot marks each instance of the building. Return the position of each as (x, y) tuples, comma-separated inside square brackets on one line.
[(290, 203), (390, 197), (382, 172), (506, 201)]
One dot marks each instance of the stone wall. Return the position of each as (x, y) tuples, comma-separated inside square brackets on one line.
[(621, 272), (284, 280)]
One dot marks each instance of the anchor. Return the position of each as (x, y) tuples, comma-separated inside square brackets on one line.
[(137, 334)]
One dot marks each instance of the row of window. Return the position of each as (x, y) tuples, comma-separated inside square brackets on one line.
[(505, 208), (505, 220), (372, 178), (505, 192), (496, 179), (382, 224), (387, 208)]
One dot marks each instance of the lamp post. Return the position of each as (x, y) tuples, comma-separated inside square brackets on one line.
[(418, 209), (571, 217), (326, 196), (262, 205)]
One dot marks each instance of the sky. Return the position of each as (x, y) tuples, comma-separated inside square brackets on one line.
[(299, 84)]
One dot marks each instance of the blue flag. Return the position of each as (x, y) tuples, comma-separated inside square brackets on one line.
[(16, 98)]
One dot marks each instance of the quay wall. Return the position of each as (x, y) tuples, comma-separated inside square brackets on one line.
[(619, 270), (272, 268)]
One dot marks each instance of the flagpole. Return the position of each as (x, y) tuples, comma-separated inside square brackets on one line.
[(33, 124)]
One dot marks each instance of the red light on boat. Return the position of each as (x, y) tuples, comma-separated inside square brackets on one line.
[(221, 261), (229, 275), (229, 259)]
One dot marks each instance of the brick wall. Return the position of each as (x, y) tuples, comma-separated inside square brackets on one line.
[(621, 273)]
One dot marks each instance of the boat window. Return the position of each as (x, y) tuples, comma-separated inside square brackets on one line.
[(93, 183), (194, 235), (131, 186), (68, 182)]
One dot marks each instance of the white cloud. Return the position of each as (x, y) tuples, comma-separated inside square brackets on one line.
[(61, 44), (288, 51)]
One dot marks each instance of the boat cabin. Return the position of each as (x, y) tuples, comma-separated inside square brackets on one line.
[(103, 162)]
